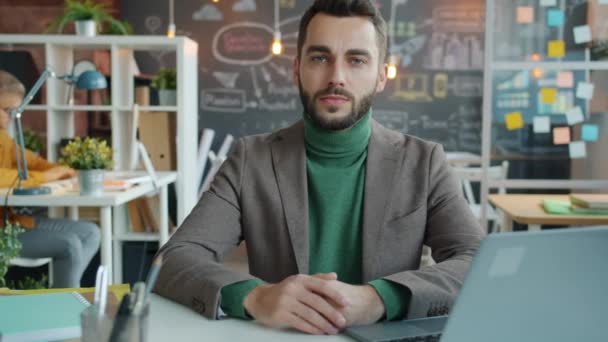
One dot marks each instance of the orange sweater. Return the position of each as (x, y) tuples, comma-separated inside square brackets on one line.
[(8, 166), (8, 173)]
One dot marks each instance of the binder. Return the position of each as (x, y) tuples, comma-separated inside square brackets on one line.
[(41, 317)]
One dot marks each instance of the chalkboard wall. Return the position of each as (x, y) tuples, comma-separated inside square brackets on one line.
[(243, 89)]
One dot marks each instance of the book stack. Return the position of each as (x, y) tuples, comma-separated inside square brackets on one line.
[(589, 203)]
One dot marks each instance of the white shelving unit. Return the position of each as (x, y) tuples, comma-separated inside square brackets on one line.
[(490, 66), (59, 54)]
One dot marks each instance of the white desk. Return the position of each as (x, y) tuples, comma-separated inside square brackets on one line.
[(462, 158), (110, 257), (170, 321)]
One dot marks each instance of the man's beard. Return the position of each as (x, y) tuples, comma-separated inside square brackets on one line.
[(359, 109)]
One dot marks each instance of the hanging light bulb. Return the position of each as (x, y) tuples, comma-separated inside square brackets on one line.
[(216, 1), (171, 27), (537, 73), (171, 31), (392, 67), (277, 47)]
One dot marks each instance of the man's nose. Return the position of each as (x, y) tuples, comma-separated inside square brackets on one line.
[(336, 76)]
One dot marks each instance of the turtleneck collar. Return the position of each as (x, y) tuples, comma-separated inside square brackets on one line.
[(349, 142)]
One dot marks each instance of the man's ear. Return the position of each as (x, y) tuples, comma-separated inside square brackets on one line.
[(296, 70), (382, 78)]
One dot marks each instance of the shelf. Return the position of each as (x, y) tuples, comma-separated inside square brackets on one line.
[(98, 42), (59, 53), (36, 107), (150, 108), (515, 66), (83, 108), (131, 236)]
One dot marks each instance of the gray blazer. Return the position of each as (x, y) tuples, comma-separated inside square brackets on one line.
[(260, 195)]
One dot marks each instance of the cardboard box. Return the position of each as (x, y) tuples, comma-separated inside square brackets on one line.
[(157, 132)]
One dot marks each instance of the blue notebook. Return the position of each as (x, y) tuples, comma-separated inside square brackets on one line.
[(41, 317)]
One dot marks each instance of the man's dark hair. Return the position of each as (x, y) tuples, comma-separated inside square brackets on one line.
[(346, 8)]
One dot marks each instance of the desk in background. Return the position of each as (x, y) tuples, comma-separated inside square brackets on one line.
[(527, 209), (111, 239), (170, 321), (463, 158)]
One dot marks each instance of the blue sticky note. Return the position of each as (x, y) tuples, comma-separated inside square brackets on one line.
[(590, 132), (555, 17)]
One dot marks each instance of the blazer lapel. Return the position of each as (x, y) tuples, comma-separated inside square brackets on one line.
[(289, 161), (381, 168)]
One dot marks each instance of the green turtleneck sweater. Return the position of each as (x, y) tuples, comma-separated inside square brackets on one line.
[(335, 165)]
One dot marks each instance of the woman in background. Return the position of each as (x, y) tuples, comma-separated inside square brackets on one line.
[(71, 244)]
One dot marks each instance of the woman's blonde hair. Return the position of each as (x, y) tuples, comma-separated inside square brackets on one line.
[(9, 84)]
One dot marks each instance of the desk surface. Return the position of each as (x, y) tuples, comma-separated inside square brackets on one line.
[(170, 321), (527, 209), (107, 198)]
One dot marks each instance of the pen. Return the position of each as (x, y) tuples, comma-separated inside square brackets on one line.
[(98, 285), (153, 274), (137, 298), (103, 296), (100, 297), (120, 321)]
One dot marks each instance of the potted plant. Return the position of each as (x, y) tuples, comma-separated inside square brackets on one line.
[(10, 247), (91, 157), (165, 81), (87, 16), (32, 141)]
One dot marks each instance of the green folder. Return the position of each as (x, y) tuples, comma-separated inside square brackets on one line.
[(564, 208), (41, 317)]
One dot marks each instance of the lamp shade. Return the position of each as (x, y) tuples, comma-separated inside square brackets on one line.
[(91, 79)]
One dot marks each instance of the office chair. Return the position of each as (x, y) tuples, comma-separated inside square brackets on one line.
[(467, 175), (34, 262)]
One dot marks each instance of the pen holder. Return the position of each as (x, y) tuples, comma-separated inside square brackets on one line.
[(104, 328)]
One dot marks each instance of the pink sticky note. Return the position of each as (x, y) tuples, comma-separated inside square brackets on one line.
[(561, 135), (565, 79), (525, 14)]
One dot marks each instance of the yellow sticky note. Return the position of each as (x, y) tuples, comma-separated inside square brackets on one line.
[(556, 48), (514, 121), (561, 135), (548, 95)]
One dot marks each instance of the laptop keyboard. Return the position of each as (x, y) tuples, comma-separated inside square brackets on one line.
[(430, 338)]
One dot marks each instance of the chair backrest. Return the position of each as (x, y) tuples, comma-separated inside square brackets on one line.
[(473, 174)]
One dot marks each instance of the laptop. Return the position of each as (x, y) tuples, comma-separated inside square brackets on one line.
[(549, 285)]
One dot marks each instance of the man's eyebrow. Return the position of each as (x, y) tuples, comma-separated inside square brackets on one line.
[(359, 52), (318, 48)]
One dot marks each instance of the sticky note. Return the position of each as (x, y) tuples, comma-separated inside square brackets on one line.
[(575, 115), (542, 124), (590, 132), (578, 149), (565, 79), (584, 90), (548, 95), (525, 14), (561, 135), (514, 121), (556, 48), (582, 34), (555, 17), (548, 2)]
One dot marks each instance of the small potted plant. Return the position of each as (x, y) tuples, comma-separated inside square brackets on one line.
[(88, 16), (166, 83), (10, 247), (91, 157)]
